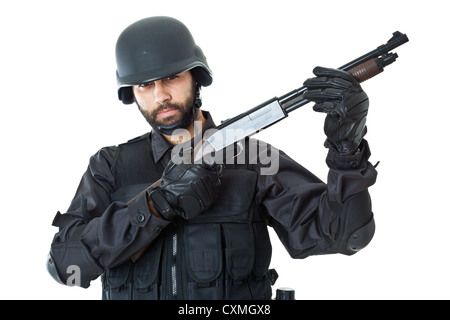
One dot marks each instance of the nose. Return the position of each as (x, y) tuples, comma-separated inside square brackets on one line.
[(160, 92)]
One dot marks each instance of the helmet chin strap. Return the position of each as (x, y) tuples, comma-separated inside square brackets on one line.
[(188, 118)]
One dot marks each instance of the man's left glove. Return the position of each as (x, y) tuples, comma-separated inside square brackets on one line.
[(186, 190), (338, 94)]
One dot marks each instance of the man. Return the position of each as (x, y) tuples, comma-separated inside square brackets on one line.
[(201, 231)]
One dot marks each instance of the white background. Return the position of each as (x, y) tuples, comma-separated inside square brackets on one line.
[(59, 106)]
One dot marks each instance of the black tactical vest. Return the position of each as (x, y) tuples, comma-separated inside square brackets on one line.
[(224, 253)]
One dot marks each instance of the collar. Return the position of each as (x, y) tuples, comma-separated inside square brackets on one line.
[(160, 145)]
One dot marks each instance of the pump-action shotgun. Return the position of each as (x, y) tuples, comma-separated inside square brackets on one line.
[(276, 109)]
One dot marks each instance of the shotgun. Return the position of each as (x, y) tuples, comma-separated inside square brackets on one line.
[(277, 109)]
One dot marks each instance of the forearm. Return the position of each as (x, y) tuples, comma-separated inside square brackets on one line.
[(122, 231), (345, 211), (95, 233), (106, 241), (349, 175), (312, 217)]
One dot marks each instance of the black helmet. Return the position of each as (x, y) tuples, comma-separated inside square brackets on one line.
[(154, 48)]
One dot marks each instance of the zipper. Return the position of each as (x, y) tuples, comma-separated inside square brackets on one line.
[(173, 263), (173, 267)]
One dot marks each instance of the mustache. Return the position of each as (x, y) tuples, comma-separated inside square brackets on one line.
[(166, 106)]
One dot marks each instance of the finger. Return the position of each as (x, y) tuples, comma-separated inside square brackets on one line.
[(334, 73), (324, 83), (204, 189), (320, 95), (325, 107), (328, 108)]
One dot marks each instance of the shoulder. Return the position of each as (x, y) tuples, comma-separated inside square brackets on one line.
[(108, 153), (143, 137), (103, 155)]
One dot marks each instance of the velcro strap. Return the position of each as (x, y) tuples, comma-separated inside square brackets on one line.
[(61, 220)]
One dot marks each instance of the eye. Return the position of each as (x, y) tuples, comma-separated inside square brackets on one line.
[(146, 84), (173, 77)]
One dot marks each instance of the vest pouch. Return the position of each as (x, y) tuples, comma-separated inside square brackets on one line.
[(203, 251), (145, 273), (114, 282), (239, 251), (204, 261)]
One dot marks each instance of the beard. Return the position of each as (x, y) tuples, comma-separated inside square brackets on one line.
[(151, 117), (181, 120)]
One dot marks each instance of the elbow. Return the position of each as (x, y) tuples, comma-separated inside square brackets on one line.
[(69, 263), (358, 228), (53, 270), (360, 238)]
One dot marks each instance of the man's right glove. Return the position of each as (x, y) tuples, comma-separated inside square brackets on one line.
[(185, 190), (340, 96)]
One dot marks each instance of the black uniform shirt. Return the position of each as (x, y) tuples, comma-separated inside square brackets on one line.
[(308, 215)]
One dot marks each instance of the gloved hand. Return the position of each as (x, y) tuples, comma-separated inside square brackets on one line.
[(338, 94), (185, 190)]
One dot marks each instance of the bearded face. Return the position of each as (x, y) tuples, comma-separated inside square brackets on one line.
[(182, 114), (167, 104)]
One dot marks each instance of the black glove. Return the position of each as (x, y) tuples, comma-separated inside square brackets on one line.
[(340, 96), (185, 190)]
